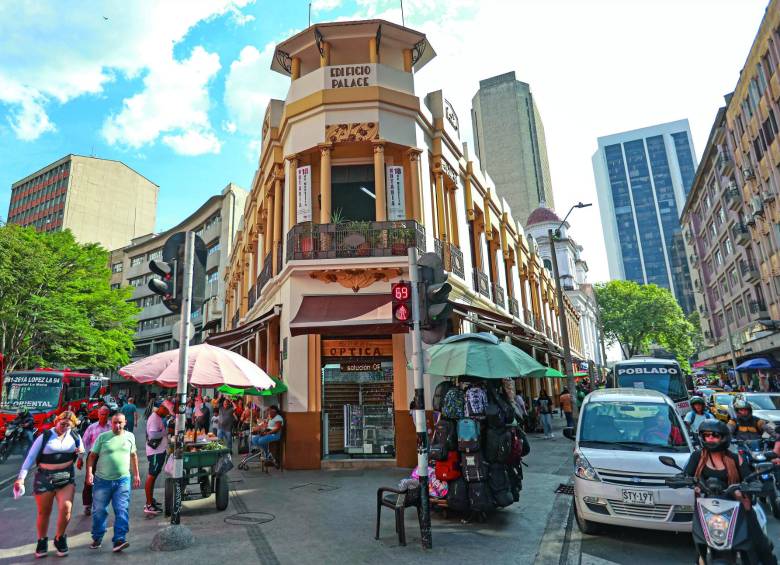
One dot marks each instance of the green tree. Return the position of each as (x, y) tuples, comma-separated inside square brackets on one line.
[(638, 315), (56, 305)]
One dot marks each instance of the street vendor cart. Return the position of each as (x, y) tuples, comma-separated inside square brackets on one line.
[(203, 464)]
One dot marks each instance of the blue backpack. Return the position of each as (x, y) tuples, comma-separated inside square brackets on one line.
[(454, 404), (468, 435)]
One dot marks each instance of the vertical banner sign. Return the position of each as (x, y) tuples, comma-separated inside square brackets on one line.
[(396, 206), (303, 186)]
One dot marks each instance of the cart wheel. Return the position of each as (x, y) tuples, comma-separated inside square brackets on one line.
[(168, 500), (205, 487), (223, 495)]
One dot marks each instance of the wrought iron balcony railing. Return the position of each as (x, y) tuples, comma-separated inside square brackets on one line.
[(514, 307), (252, 295), (354, 239), (451, 256), (266, 273), (481, 283), (234, 321), (498, 296)]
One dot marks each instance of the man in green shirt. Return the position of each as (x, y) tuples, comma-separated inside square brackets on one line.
[(116, 458)]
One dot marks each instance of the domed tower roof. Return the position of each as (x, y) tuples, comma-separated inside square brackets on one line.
[(542, 215)]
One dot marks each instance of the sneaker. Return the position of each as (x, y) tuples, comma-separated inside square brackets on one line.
[(42, 549), (96, 543), (151, 509), (119, 545), (87, 510), (157, 505), (61, 545)]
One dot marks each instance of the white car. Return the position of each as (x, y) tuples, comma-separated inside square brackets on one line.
[(618, 478), (766, 405)]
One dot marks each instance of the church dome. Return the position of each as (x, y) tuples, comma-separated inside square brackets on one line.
[(542, 215)]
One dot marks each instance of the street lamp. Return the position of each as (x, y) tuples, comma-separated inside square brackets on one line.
[(552, 235)]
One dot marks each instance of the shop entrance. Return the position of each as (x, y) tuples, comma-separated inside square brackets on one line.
[(357, 404)]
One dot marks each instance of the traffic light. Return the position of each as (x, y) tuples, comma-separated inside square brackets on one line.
[(165, 285), (402, 297), (435, 307), (170, 270)]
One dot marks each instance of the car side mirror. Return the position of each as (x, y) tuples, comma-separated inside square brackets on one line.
[(669, 462), (570, 433)]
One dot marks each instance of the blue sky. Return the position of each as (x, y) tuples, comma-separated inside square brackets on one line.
[(176, 89)]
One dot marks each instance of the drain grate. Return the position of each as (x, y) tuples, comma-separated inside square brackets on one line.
[(249, 518), (565, 489)]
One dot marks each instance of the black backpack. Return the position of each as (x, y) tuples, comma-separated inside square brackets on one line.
[(500, 486), (515, 474), (444, 440), (498, 445), (473, 467), (439, 393), (458, 495), (47, 436), (480, 499)]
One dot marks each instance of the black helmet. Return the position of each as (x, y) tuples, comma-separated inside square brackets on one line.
[(23, 411), (717, 427)]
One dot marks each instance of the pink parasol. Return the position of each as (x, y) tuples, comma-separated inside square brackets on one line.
[(208, 366)]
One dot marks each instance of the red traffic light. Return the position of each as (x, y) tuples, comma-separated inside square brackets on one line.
[(402, 313), (401, 293)]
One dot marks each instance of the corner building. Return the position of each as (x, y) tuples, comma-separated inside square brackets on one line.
[(354, 170)]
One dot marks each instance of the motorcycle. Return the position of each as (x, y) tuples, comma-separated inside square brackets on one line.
[(719, 523), (753, 452), (14, 439)]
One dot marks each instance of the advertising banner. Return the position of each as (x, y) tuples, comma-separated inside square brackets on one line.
[(396, 206), (303, 188)]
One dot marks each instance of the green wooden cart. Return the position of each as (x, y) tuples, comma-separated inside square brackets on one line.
[(199, 470)]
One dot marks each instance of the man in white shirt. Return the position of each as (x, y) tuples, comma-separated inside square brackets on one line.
[(90, 435), (156, 449)]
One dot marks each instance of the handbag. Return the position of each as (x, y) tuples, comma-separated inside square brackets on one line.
[(59, 479)]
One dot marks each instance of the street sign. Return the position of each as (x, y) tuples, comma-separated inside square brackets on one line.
[(176, 331)]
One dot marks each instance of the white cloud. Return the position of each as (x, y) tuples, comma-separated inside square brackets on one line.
[(55, 50), (175, 100), (193, 142), (229, 127), (325, 5)]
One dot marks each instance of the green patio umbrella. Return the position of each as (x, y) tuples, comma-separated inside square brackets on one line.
[(481, 355), (554, 373), (278, 388)]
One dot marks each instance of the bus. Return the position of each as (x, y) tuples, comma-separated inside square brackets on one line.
[(662, 375), (46, 393)]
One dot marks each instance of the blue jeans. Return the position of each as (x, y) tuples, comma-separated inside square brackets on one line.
[(547, 423), (227, 435), (118, 494), (569, 419), (263, 441)]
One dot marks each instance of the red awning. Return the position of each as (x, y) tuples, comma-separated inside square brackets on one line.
[(346, 314), (231, 339)]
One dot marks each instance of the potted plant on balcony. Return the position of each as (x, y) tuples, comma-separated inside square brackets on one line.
[(400, 237), (306, 239), (361, 235)]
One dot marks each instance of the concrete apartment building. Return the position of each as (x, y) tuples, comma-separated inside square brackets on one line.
[(510, 144), (98, 200), (732, 216), (216, 221), (642, 180)]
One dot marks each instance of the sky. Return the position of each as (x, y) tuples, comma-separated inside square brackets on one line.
[(177, 89)]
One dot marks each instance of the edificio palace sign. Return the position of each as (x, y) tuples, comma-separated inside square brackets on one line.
[(349, 76)]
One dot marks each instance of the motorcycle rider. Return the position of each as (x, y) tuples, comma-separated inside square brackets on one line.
[(26, 422), (714, 460), (697, 415)]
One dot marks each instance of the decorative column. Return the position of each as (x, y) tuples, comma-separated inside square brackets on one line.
[(453, 212), (467, 191), (440, 217), (269, 223), (295, 68), (325, 182), (292, 183), (379, 181), (408, 60), (373, 54), (277, 220), (325, 55), (414, 170)]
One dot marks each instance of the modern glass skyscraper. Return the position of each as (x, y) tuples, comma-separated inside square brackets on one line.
[(643, 178)]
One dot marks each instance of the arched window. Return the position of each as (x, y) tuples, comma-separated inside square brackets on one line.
[(548, 265)]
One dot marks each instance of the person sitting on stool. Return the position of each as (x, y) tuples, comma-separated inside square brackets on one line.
[(268, 434)]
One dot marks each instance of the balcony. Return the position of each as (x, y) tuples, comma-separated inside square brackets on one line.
[(354, 239), (451, 256), (252, 298), (499, 299), (481, 283), (733, 197), (749, 271), (758, 309), (266, 273), (748, 174), (725, 164), (514, 307), (758, 207)]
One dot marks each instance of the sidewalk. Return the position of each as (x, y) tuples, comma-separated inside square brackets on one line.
[(314, 517)]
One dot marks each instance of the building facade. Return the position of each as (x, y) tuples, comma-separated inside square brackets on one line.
[(731, 217), (216, 222), (98, 200), (573, 272), (509, 143), (642, 179), (355, 169)]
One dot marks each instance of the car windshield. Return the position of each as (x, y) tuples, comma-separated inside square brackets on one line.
[(725, 399), (666, 379), (638, 426), (764, 401), (35, 391)]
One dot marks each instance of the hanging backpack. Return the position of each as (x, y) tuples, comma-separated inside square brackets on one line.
[(516, 449), (499, 411), (476, 402), (453, 406), (498, 445), (468, 435), (480, 499), (500, 487), (449, 469), (458, 495), (473, 467), (439, 393), (444, 440), (515, 474)]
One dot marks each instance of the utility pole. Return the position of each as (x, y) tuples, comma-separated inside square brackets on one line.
[(570, 382), (420, 424)]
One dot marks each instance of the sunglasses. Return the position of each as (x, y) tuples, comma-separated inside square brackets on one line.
[(711, 434)]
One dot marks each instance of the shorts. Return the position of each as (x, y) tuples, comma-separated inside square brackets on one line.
[(156, 463), (42, 482)]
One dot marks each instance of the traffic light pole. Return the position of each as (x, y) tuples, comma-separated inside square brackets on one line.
[(418, 411)]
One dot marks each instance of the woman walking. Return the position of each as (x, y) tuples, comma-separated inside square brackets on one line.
[(54, 452), (544, 406)]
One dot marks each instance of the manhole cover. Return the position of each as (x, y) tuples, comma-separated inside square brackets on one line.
[(249, 518), (316, 487), (565, 489)]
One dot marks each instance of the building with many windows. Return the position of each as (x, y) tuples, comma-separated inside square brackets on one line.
[(510, 144), (355, 169), (75, 192), (642, 179), (732, 215), (216, 222)]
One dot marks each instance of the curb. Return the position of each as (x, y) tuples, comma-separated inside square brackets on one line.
[(555, 546)]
